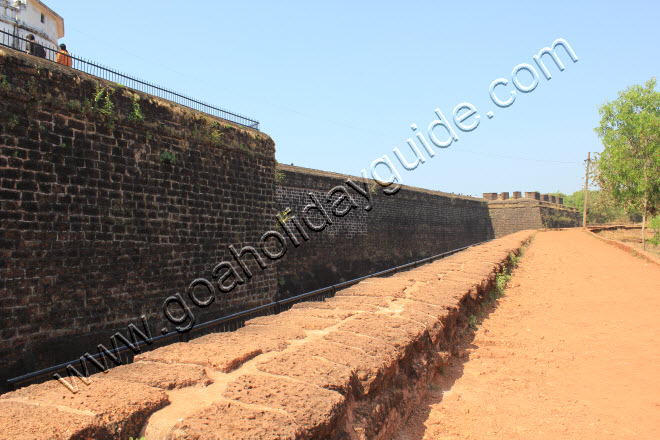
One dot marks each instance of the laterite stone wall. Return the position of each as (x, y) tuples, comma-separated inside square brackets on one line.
[(509, 216), (412, 224), (107, 210), (513, 215)]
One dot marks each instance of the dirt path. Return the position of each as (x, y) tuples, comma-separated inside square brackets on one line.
[(571, 352)]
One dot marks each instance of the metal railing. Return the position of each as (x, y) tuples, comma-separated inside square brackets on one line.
[(107, 73), (237, 320)]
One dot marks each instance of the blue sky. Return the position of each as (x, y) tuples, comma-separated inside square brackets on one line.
[(338, 84)]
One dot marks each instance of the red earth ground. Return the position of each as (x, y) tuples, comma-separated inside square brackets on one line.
[(571, 352), (632, 237)]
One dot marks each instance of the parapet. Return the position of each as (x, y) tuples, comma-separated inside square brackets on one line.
[(529, 195)]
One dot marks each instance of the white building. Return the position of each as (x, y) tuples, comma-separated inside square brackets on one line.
[(20, 18)]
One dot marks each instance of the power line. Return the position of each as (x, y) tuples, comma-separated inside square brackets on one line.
[(337, 123), (517, 157)]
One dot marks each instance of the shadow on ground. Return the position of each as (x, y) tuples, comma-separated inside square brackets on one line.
[(442, 383)]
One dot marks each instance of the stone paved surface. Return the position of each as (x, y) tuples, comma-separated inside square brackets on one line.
[(353, 365)]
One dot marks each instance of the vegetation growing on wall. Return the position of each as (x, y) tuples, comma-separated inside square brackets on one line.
[(214, 133), (136, 115), (13, 122), (103, 106), (167, 157)]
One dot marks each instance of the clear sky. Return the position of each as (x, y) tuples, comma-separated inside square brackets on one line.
[(338, 84)]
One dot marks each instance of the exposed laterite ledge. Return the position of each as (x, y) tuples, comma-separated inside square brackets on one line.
[(351, 367)]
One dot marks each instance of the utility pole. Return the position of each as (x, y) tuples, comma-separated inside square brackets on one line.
[(586, 191)]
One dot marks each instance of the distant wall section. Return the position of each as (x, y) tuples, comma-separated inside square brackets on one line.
[(410, 225), (534, 211)]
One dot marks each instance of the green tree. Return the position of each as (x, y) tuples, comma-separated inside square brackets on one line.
[(602, 207), (629, 166)]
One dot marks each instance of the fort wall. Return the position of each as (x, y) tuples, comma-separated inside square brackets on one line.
[(113, 200), (534, 211)]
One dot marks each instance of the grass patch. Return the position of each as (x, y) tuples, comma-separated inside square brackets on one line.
[(501, 282), (502, 279), (74, 106), (434, 387), (13, 122), (213, 133)]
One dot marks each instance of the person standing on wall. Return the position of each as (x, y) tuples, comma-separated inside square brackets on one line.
[(34, 48), (63, 56)]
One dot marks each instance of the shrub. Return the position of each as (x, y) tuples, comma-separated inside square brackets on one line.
[(104, 106), (136, 115), (472, 321), (654, 224), (167, 157)]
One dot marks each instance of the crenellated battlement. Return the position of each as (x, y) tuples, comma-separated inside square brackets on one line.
[(532, 195), (534, 211)]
